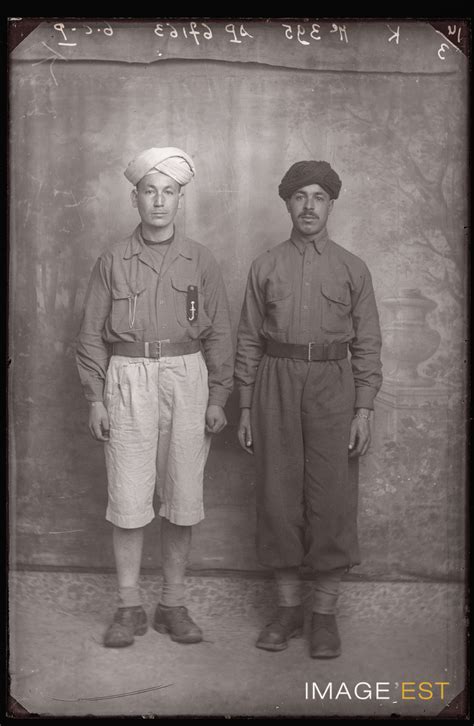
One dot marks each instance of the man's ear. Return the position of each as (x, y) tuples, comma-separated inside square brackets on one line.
[(180, 198), (133, 197), (287, 202), (330, 206)]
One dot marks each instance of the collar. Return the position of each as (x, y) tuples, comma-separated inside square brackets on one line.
[(136, 245), (319, 240)]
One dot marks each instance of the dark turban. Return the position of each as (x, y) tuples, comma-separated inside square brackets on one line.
[(310, 172)]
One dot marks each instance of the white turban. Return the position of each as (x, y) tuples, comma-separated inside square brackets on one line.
[(169, 160)]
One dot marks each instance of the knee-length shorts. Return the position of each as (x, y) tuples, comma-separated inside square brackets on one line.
[(157, 441)]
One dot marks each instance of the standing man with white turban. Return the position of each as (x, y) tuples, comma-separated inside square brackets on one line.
[(305, 405), (154, 356)]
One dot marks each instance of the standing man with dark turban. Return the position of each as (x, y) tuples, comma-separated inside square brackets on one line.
[(155, 359), (305, 405)]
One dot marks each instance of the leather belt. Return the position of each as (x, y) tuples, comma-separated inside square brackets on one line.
[(155, 348), (309, 352)]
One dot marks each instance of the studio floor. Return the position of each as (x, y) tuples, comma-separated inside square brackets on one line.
[(406, 637)]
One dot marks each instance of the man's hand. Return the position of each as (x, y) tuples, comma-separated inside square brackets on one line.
[(244, 432), (359, 441), (215, 419), (98, 421)]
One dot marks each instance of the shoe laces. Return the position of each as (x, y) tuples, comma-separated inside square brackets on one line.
[(285, 616), (179, 614), (325, 622)]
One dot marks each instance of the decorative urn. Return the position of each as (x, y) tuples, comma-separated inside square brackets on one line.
[(408, 338)]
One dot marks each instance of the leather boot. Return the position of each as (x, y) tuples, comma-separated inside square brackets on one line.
[(177, 622), (325, 640), (127, 622), (288, 623)]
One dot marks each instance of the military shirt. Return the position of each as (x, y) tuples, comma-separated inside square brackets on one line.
[(302, 292), (136, 295)]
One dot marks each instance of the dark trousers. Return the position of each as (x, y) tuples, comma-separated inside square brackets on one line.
[(306, 500)]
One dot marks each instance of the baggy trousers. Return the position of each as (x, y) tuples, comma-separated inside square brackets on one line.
[(306, 490)]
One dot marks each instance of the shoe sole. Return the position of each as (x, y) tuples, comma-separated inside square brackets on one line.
[(326, 656), (186, 639), (275, 647)]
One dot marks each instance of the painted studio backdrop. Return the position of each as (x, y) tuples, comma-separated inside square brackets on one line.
[(386, 106)]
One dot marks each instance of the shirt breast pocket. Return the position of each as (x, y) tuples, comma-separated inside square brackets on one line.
[(336, 308), (129, 310), (278, 306), (189, 304)]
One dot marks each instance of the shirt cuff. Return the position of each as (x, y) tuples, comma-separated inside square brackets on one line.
[(94, 391), (365, 397), (218, 397), (246, 395)]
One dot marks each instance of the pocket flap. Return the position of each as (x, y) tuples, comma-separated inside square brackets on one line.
[(182, 284), (336, 293)]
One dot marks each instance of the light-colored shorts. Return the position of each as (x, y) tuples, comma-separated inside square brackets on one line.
[(158, 442)]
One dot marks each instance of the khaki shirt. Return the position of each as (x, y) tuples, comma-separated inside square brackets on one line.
[(302, 292), (130, 298)]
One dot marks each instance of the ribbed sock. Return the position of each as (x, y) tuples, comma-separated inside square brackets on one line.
[(288, 584), (129, 597), (326, 592), (173, 594)]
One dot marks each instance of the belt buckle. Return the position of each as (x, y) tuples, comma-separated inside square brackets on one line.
[(310, 346), (153, 349)]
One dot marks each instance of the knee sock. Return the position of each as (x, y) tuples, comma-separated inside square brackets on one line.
[(288, 584), (128, 544), (326, 592), (175, 548), (129, 597)]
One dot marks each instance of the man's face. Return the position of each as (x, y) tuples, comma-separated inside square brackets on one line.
[(309, 208), (157, 198)]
